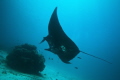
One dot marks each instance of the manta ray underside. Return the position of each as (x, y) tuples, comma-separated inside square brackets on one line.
[(59, 43)]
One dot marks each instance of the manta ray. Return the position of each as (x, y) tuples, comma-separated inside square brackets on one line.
[(59, 43)]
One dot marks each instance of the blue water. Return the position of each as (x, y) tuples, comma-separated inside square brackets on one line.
[(94, 25)]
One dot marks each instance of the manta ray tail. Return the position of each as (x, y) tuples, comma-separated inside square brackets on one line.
[(96, 57)]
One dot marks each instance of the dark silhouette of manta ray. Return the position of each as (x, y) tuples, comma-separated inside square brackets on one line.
[(59, 43)]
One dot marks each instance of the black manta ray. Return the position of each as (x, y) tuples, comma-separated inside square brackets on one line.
[(59, 43)]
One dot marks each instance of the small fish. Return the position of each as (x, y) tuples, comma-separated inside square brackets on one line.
[(44, 74), (79, 57), (51, 58), (76, 67)]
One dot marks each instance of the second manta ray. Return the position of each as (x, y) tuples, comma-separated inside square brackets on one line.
[(59, 43)]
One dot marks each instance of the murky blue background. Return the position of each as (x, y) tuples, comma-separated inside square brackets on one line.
[(94, 25)]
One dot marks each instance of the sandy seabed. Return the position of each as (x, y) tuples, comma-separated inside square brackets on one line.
[(49, 73)]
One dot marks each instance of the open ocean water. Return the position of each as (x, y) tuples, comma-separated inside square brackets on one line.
[(93, 25)]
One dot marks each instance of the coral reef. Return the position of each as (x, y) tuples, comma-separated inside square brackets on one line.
[(25, 58)]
